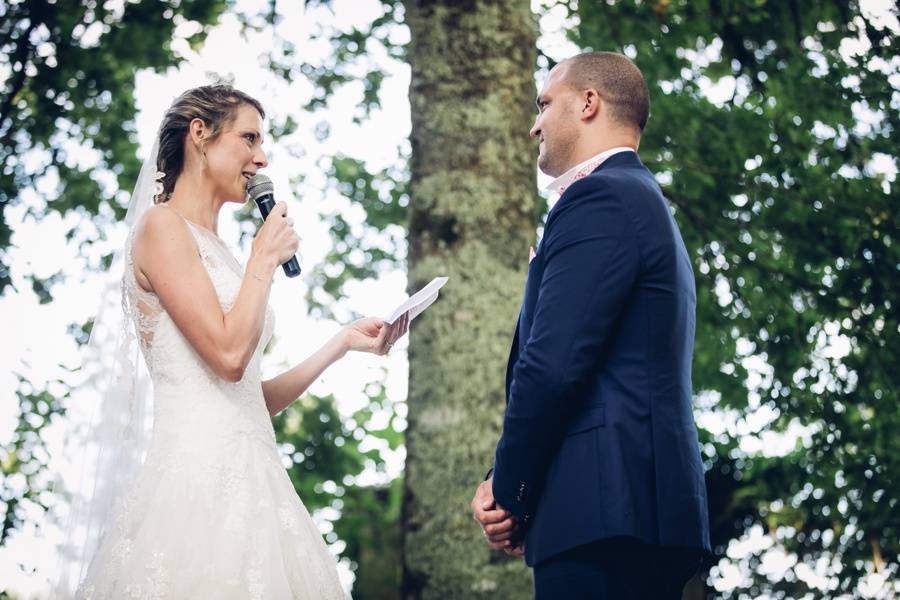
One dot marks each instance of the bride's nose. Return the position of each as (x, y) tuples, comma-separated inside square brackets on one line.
[(260, 159)]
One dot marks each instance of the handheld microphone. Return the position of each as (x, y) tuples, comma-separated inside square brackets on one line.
[(262, 191)]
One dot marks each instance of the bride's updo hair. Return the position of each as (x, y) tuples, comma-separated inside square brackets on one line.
[(216, 105)]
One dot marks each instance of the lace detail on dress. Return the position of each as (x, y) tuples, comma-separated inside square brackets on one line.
[(141, 305), (212, 513)]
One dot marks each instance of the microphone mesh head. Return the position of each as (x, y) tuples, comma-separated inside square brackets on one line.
[(259, 185)]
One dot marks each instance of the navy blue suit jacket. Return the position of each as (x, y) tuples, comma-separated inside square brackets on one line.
[(599, 440)]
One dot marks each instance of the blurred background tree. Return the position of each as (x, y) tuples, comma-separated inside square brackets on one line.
[(471, 218)]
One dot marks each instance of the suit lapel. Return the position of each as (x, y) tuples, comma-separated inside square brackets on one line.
[(513, 355)]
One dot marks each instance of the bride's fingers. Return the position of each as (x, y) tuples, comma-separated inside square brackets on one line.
[(403, 326), (375, 328), (394, 334), (394, 337), (394, 329), (389, 334), (379, 341), (400, 328), (388, 339)]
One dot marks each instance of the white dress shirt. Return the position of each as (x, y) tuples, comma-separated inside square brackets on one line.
[(583, 169)]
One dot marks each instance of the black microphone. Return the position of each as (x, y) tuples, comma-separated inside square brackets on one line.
[(262, 191)]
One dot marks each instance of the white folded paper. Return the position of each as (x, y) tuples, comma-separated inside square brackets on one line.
[(419, 301)]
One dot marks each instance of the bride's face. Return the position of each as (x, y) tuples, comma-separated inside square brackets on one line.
[(236, 155)]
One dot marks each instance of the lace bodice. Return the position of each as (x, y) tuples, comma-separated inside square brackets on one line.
[(185, 388)]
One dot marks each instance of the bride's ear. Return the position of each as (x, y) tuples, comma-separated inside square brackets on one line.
[(198, 132)]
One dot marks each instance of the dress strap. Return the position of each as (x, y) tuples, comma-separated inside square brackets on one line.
[(212, 249)]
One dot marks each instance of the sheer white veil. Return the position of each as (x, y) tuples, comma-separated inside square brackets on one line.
[(110, 415)]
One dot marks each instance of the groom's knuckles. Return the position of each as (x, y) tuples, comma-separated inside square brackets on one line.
[(488, 518), (484, 516), (498, 514), (499, 528), (499, 537)]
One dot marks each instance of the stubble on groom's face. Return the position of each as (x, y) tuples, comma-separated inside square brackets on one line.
[(556, 125)]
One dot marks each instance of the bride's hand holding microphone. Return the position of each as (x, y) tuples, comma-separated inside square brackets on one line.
[(276, 242), (261, 190)]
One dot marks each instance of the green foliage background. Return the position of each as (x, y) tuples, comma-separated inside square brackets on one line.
[(774, 186)]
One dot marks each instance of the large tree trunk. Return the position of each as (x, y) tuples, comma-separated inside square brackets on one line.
[(472, 217)]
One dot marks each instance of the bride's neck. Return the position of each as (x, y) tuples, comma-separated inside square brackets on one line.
[(193, 198)]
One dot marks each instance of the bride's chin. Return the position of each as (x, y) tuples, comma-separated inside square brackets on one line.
[(239, 197)]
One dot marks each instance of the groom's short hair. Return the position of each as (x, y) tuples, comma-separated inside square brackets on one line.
[(619, 82)]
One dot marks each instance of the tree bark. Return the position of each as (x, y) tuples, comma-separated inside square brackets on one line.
[(472, 218)]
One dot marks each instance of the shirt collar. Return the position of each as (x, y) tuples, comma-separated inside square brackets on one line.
[(584, 169)]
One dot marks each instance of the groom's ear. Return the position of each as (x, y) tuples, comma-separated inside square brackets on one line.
[(590, 105)]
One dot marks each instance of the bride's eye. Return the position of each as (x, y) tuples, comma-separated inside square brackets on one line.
[(250, 137)]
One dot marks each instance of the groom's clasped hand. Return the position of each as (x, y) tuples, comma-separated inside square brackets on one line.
[(499, 527)]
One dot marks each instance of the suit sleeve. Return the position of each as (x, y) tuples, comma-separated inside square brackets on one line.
[(591, 262)]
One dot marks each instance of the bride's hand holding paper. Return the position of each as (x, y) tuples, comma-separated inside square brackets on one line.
[(375, 335)]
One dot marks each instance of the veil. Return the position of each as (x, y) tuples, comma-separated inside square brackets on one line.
[(110, 416)]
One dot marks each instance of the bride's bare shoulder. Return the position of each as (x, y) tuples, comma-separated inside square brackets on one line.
[(161, 233), (160, 223)]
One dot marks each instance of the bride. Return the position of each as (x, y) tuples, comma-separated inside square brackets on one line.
[(208, 511)]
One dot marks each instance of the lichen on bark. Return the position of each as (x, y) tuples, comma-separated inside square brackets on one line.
[(472, 218)]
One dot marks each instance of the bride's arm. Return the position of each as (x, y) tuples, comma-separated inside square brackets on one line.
[(365, 335), (282, 390), (165, 253)]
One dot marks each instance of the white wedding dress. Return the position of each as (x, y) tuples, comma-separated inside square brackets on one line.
[(212, 513)]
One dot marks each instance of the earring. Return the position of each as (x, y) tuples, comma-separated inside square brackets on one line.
[(202, 153)]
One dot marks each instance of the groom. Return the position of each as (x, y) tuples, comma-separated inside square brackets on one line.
[(597, 477)]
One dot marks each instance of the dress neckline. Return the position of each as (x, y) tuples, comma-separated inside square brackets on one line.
[(207, 233), (202, 229)]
